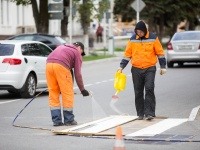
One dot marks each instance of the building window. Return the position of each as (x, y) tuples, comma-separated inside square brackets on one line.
[(4, 12), (7, 17), (1, 5)]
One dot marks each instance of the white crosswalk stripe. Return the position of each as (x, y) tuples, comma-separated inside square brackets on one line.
[(158, 127), (106, 125)]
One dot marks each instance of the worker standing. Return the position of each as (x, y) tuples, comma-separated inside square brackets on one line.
[(59, 81), (144, 50)]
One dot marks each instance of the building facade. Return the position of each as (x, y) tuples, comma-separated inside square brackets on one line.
[(15, 19), (19, 19)]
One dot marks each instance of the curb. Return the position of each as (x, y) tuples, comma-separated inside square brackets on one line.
[(117, 56), (102, 60)]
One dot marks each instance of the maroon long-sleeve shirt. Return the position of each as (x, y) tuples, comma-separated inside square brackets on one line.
[(69, 57)]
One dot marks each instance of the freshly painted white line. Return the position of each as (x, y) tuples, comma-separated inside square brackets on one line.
[(194, 113), (158, 127), (88, 85), (10, 101), (97, 82), (113, 122), (104, 81), (100, 125)]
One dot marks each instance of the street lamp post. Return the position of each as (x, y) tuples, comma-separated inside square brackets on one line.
[(111, 38)]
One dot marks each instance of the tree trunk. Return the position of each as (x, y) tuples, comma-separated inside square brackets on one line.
[(161, 28), (40, 15), (35, 12), (151, 25), (64, 25), (64, 21), (85, 21), (86, 43)]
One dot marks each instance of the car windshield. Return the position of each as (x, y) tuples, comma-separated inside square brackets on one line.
[(6, 49), (186, 36), (61, 40)]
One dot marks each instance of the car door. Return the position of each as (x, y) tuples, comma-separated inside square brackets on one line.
[(45, 51), (39, 60)]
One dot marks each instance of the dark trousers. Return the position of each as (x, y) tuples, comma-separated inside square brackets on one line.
[(57, 116), (143, 81), (99, 38)]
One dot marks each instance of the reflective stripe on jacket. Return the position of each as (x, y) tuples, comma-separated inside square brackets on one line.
[(143, 52)]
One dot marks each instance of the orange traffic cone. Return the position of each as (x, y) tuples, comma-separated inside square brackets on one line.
[(119, 142)]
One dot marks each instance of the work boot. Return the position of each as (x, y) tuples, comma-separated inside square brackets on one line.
[(149, 117), (140, 118), (71, 123), (58, 124)]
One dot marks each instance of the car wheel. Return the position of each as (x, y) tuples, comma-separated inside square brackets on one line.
[(29, 87), (170, 64)]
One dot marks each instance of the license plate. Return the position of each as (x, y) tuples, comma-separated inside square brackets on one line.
[(185, 47)]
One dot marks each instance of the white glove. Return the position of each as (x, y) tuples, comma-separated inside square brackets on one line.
[(163, 71)]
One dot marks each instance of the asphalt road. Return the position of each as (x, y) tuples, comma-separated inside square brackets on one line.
[(177, 93)]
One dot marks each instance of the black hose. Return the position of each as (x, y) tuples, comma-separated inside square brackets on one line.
[(102, 137), (25, 107)]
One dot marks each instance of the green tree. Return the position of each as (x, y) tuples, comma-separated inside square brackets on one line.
[(86, 10), (40, 14), (162, 16), (166, 15), (86, 15), (104, 5), (123, 8)]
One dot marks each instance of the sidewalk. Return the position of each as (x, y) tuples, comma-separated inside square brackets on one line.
[(97, 46), (117, 44)]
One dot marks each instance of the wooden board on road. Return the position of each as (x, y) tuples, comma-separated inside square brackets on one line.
[(130, 125), (98, 126)]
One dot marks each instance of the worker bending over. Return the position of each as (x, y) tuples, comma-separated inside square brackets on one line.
[(59, 81)]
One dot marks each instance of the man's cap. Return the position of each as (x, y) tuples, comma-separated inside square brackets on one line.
[(81, 45)]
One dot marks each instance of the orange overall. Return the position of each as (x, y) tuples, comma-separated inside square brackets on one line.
[(59, 81)]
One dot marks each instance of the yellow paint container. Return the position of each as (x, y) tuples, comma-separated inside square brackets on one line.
[(119, 82)]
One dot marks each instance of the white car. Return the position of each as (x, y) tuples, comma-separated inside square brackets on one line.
[(183, 47), (22, 66)]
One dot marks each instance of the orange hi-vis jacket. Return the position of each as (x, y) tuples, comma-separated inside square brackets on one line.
[(143, 52)]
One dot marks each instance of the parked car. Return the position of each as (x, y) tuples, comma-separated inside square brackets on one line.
[(183, 47), (51, 40), (22, 66)]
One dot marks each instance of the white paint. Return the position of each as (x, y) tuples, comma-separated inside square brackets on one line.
[(112, 122), (10, 101), (100, 125), (158, 127), (194, 113)]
